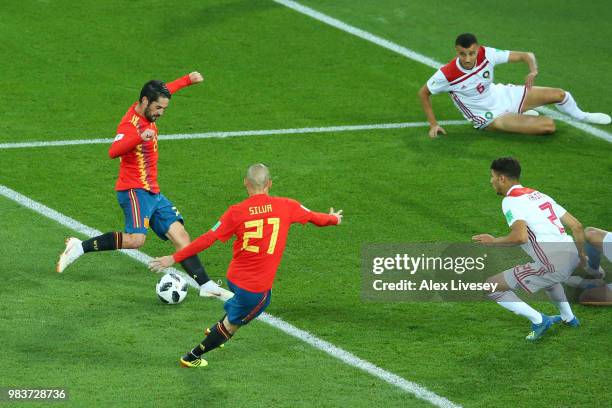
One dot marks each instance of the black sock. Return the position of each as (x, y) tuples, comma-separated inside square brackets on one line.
[(195, 269), (104, 242), (217, 336)]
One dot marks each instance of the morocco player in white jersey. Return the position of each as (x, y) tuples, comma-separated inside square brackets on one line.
[(468, 79), (537, 224)]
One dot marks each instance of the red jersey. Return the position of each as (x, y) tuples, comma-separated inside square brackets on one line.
[(261, 224), (138, 167)]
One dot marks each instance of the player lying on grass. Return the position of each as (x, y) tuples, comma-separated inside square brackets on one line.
[(508, 108), (537, 225), (596, 291), (143, 205), (261, 224)]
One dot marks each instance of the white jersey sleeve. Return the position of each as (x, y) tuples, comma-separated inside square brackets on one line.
[(496, 56), (513, 211), (438, 83)]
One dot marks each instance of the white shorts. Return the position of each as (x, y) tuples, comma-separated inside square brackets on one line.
[(607, 246), (502, 99), (535, 276)]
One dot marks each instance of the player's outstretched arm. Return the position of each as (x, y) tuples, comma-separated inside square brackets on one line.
[(323, 220), (190, 79), (528, 58), (517, 236), (572, 223), (425, 97), (198, 245)]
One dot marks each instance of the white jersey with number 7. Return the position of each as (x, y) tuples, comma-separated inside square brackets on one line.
[(543, 218)]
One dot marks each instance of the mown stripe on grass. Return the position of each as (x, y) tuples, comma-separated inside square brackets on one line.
[(334, 351)]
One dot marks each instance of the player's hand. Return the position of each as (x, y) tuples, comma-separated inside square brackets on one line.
[(159, 264), (195, 77), (485, 239), (338, 214), (434, 130), (530, 79), (147, 135)]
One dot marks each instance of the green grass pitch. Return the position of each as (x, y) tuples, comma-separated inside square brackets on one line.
[(98, 330)]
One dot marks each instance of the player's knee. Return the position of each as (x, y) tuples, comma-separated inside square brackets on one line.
[(181, 240), (232, 328), (560, 95), (591, 234), (491, 279), (133, 241)]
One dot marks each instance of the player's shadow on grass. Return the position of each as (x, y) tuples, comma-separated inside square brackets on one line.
[(217, 15)]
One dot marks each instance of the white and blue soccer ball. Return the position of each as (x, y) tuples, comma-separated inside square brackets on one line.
[(171, 288)]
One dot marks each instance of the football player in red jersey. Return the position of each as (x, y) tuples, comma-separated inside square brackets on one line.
[(261, 224), (144, 206)]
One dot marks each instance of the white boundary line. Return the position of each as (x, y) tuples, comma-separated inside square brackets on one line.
[(415, 56), (211, 135), (334, 351)]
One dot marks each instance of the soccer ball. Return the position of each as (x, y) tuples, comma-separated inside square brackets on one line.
[(171, 288)]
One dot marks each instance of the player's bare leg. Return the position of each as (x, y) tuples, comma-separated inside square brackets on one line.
[(178, 235), (133, 241), (595, 237), (193, 266), (564, 101), (523, 124), (109, 241), (539, 96)]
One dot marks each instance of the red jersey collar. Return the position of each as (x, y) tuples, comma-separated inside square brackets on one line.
[(517, 190)]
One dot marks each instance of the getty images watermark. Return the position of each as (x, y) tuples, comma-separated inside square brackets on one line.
[(433, 271)]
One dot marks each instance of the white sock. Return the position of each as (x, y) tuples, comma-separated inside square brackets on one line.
[(557, 296), (569, 106), (510, 301)]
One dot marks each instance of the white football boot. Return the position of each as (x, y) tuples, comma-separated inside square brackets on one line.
[(213, 289), (210, 289), (598, 118), (74, 249)]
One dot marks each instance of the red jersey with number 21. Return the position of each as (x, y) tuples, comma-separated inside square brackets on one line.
[(261, 224)]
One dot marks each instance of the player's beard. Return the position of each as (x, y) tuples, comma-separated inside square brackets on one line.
[(149, 116)]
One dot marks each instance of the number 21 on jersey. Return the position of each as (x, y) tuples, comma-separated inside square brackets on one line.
[(258, 234)]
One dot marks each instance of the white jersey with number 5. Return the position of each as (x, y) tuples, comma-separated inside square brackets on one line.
[(543, 218), (472, 90)]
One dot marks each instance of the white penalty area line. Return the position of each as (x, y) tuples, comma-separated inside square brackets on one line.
[(239, 133), (322, 345), (415, 56)]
